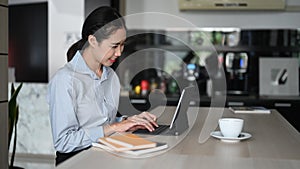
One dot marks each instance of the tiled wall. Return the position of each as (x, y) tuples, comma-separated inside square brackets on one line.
[(3, 82)]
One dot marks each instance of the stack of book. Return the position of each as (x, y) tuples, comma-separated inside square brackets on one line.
[(129, 143)]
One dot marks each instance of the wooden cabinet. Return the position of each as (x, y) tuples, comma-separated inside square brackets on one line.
[(290, 110), (3, 30), (3, 83), (4, 2)]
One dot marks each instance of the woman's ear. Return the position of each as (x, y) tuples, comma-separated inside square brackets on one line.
[(92, 41)]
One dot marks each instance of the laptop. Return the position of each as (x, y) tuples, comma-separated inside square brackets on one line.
[(179, 121)]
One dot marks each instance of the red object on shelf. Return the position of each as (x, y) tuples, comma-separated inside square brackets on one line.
[(144, 85)]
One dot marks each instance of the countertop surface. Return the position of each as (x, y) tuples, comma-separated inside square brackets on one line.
[(274, 144)]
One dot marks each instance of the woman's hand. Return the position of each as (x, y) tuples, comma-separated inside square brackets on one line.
[(141, 121), (144, 120)]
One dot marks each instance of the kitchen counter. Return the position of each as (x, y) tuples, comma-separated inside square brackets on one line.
[(274, 144)]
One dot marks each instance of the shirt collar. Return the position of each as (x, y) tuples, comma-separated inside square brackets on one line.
[(78, 64)]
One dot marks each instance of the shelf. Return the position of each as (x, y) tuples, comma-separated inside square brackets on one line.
[(253, 99), (223, 48), (281, 98)]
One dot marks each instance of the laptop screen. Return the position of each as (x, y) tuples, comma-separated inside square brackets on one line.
[(177, 109), (182, 100)]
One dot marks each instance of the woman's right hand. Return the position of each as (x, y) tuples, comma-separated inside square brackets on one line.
[(144, 120)]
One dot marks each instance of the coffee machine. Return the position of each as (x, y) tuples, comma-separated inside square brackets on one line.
[(236, 65)]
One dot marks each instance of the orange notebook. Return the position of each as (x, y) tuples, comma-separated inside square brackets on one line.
[(127, 141)]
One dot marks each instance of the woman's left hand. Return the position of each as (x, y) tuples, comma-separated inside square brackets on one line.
[(144, 119)]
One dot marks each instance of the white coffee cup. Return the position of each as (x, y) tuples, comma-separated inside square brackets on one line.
[(231, 127)]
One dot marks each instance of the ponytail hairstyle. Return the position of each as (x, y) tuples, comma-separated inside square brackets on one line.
[(101, 23)]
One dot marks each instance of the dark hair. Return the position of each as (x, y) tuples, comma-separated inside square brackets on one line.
[(101, 23)]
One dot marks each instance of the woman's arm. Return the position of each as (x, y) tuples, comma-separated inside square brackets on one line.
[(67, 134)]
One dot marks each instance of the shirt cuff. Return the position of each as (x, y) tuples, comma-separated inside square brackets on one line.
[(95, 133), (119, 119)]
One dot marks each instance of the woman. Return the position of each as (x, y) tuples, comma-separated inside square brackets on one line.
[(83, 95)]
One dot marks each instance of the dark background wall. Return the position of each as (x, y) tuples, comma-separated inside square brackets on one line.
[(28, 41)]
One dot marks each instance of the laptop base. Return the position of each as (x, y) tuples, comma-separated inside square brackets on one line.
[(158, 130)]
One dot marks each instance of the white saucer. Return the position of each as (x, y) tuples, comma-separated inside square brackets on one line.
[(218, 134)]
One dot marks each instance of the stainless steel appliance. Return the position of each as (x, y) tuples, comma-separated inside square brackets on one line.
[(236, 65)]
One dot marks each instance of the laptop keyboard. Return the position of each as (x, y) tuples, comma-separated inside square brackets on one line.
[(157, 130)]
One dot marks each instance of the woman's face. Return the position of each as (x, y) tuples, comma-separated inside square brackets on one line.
[(110, 49)]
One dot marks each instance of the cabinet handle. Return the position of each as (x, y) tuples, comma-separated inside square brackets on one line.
[(235, 103), (138, 101), (283, 105)]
